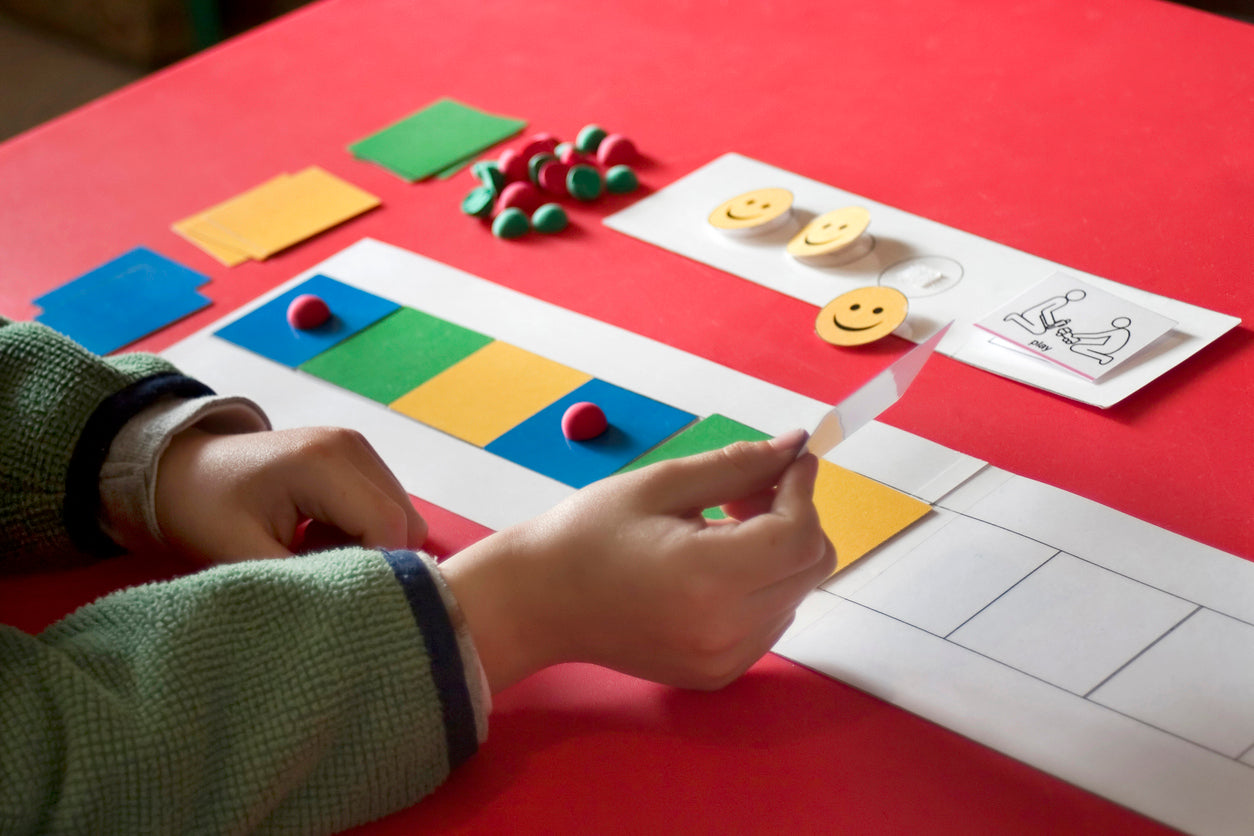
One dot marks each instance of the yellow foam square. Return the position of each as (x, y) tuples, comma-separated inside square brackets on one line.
[(285, 211), (489, 392), (201, 232), (204, 235), (858, 513)]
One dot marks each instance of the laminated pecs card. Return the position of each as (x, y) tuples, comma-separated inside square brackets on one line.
[(1076, 325)]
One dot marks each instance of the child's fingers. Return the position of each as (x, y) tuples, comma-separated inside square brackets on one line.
[(374, 483), (794, 496), (377, 472), (318, 536), (354, 503), (772, 546), (372, 465), (786, 594), (761, 642), (750, 506), (247, 539), (723, 669), (726, 475)]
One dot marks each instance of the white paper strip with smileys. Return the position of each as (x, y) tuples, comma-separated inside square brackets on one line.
[(872, 398)]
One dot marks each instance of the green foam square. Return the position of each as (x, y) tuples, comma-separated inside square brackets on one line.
[(441, 136), (397, 354), (710, 433)]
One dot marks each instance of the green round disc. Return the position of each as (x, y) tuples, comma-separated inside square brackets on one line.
[(589, 138), (620, 179), (549, 218), (512, 223), (584, 182), (479, 202), (489, 174)]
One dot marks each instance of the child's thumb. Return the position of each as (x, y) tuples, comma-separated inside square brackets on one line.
[(734, 472)]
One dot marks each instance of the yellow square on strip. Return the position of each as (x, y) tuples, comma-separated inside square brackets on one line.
[(284, 212), (490, 392), (858, 513)]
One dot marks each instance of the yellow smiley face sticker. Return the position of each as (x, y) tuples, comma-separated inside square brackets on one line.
[(830, 233), (861, 316), (757, 211)]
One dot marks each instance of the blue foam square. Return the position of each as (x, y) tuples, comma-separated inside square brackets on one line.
[(636, 425), (266, 332), (122, 300)]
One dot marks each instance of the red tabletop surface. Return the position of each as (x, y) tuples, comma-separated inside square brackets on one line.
[(1113, 136)]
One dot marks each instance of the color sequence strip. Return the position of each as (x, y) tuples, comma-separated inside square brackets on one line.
[(509, 402)]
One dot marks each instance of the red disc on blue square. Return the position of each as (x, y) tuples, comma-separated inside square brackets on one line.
[(636, 424), (266, 331)]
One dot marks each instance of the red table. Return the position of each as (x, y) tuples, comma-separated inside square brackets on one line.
[(1114, 136)]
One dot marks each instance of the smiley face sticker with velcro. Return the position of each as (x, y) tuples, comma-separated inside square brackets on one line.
[(753, 213), (861, 316), (830, 233)]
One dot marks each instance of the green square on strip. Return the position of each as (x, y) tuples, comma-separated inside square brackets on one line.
[(707, 434), (396, 354), (441, 135)]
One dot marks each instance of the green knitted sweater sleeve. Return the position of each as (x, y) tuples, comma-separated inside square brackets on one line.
[(60, 407), (302, 695), (289, 695)]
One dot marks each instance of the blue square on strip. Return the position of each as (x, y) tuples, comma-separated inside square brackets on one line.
[(266, 331), (636, 425), (133, 295)]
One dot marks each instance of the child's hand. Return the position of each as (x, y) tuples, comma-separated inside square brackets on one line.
[(629, 575), (232, 497)]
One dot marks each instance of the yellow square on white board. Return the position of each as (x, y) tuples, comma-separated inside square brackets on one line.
[(858, 513), (489, 393)]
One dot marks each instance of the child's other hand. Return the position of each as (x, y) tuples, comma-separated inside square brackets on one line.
[(629, 575), (222, 498)]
